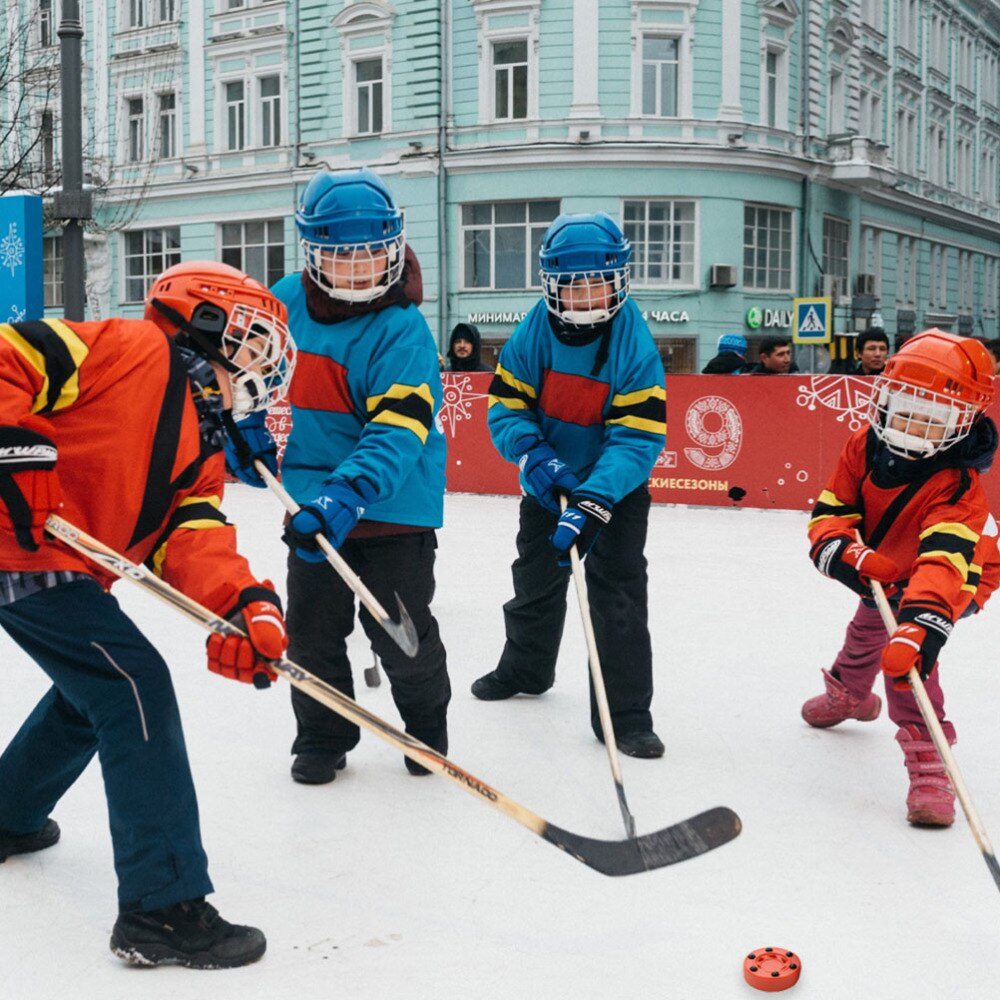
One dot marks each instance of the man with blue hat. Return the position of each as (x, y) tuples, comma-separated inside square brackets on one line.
[(732, 356)]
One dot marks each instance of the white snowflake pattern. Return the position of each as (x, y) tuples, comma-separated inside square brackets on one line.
[(16, 314), (459, 396), (12, 249), (846, 395)]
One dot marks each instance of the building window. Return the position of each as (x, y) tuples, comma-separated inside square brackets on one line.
[(369, 95), (167, 125), (836, 110), (938, 284), (988, 174), (966, 273), (660, 69), (988, 87), (909, 23), (871, 13), (510, 79), (836, 253), (991, 273), (770, 89), (47, 144), (52, 271), (166, 10), (870, 109), (906, 140), (965, 68), (136, 129), (767, 248), (906, 271), (148, 253), (46, 24), (258, 248), (939, 43), (662, 234), (136, 14), (236, 115), (870, 258), (937, 154), (963, 165), (270, 110), (501, 241)]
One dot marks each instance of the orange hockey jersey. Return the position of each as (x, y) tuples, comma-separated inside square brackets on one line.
[(939, 531), (130, 462)]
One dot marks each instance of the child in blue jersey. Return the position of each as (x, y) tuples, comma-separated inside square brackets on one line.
[(578, 403), (364, 460)]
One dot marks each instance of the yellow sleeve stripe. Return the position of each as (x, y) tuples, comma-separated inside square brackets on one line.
[(511, 402), (951, 528), (78, 351), (659, 428), (639, 396), (395, 419), (826, 517), (516, 384), (213, 499), (958, 561), (402, 392), (830, 498)]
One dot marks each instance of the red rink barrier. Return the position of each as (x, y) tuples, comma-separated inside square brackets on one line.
[(776, 437)]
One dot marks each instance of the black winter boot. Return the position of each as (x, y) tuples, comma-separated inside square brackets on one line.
[(190, 933), (317, 768), (437, 740), (492, 687), (27, 843)]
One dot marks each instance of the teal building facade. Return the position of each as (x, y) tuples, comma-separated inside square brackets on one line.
[(755, 151)]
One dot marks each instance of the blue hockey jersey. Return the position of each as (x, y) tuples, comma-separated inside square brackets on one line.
[(610, 427), (364, 399)]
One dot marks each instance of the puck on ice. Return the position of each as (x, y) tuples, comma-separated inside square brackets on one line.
[(772, 969)]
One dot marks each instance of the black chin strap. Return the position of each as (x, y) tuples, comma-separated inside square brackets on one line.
[(206, 347)]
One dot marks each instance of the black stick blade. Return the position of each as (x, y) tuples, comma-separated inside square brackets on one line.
[(683, 840)]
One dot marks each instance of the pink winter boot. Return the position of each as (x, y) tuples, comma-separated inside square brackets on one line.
[(838, 704), (931, 801)]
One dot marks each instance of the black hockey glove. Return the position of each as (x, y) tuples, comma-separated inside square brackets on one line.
[(29, 485), (853, 564)]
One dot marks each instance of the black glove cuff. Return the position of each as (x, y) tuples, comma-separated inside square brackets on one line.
[(936, 624), (257, 593), (22, 450), (595, 507)]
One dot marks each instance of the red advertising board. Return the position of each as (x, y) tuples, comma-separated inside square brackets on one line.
[(776, 438)]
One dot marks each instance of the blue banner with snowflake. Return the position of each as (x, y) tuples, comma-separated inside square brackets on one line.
[(21, 290)]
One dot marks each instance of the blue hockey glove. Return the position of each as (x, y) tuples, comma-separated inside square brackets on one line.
[(247, 440), (545, 474), (334, 513), (579, 525)]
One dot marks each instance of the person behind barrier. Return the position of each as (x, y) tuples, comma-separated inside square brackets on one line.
[(119, 426), (775, 357), (731, 358), (871, 350), (578, 403), (464, 350)]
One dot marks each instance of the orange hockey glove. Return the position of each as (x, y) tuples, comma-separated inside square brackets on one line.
[(852, 563), (244, 658), (916, 642)]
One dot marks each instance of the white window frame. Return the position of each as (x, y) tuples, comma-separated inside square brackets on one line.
[(376, 96), (365, 32), (871, 107), (269, 116), (871, 13), (153, 263), (508, 71), (506, 21), (234, 116), (52, 271), (908, 32), (166, 126), (939, 42), (274, 237), (988, 172), (836, 114), (135, 142), (937, 153), (836, 251), (966, 281), (681, 29), (640, 267), (749, 273), (906, 139), (534, 231), (870, 255), (47, 25)]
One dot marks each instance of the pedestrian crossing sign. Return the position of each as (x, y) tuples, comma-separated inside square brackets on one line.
[(812, 320)]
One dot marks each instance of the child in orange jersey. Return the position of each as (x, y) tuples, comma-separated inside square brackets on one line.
[(910, 484)]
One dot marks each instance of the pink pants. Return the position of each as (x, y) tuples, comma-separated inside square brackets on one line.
[(858, 663)]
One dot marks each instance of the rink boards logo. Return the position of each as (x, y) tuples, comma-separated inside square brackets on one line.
[(713, 423)]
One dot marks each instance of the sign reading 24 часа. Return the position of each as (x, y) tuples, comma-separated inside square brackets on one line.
[(21, 292)]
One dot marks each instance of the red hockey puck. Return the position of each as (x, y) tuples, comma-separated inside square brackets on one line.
[(772, 969)]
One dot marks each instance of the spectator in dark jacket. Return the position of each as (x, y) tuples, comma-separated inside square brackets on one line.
[(775, 357), (464, 348), (872, 351), (732, 356)]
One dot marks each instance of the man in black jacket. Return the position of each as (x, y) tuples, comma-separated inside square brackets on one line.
[(464, 348), (732, 356)]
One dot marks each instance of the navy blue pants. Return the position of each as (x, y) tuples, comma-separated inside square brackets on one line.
[(321, 612), (615, 571), (111, 695)]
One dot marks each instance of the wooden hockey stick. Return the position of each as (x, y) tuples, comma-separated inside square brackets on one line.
[(403, 633), (679, 842), (597, 679), (940, 742)]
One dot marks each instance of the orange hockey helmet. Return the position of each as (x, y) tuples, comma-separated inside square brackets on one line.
[(930, 392), (226, 316)]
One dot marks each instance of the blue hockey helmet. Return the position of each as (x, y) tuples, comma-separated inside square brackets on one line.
[(351, 217), (584, 251)]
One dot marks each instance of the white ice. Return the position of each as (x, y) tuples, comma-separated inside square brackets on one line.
[(386, 885)]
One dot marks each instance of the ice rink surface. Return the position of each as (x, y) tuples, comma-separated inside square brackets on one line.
[(386, 885)]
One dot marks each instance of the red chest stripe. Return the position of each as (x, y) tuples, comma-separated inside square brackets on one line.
[(573, 398), (319, 383)]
